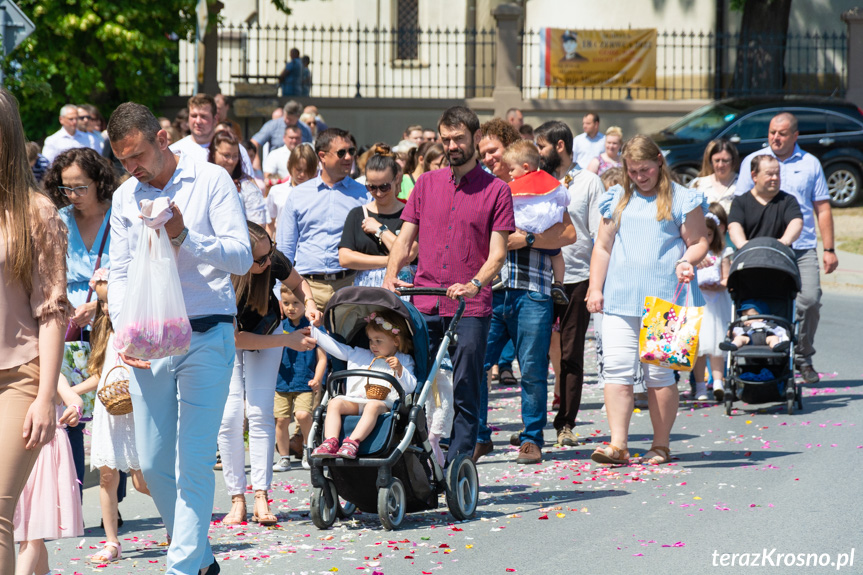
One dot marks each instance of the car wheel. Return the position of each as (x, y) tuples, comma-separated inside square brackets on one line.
[(686, 174), (844, 182)]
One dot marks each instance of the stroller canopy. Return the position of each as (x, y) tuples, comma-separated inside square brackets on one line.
[(764, 269), (344, 319)]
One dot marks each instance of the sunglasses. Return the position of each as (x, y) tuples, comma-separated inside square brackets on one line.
[(263, 260), (345, 151), (384, 188), (85, 118)]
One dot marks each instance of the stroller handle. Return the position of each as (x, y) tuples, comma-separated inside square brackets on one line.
[(369, 373), (432, 291)]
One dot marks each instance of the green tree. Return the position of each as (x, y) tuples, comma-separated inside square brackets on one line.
[(103, 52), (760, 66)]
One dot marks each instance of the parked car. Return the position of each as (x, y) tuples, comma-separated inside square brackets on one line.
[(830, 129)]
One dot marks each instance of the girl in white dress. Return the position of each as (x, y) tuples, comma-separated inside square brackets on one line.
[(113, 437), (388, 338), (712, 280)]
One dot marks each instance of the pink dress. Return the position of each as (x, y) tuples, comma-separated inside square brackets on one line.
[(50, 505)]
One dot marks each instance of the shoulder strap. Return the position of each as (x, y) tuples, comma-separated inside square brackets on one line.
[(365, 211), (99, 257)]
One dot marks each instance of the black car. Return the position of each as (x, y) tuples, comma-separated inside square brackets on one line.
[(830, 129)]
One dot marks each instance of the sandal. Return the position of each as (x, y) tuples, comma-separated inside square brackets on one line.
[(663, 455), (349, 448), (106, 555), (617, 456), (237, 514), (507, 378), (267, 518), (326, 449)]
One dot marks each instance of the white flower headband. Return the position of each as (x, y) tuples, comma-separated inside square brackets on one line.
[(713, 217), (374, 317), (100, 275)]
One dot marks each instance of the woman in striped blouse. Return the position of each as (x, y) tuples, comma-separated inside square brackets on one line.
[(652, 235)]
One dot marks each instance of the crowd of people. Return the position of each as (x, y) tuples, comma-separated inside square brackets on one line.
[(539, 230)]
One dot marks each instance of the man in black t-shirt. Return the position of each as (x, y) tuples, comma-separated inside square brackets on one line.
[(765, 211)]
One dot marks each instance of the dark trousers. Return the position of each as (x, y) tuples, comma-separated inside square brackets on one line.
[(467, 361), (574, 319), (76, 441)]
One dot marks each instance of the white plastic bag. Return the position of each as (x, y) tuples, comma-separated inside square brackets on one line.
[(153, 323)]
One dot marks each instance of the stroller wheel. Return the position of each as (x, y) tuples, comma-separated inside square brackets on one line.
[(346, 509), (324, 512), (392, 504), (790, 396), (462, 487)]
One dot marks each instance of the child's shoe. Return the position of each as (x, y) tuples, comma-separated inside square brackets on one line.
[(558, 296), (328, 448), (701, 391), (349, 448)]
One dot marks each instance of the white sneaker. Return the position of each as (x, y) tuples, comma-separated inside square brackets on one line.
[(284, 464), (701, 391), (306, 460)]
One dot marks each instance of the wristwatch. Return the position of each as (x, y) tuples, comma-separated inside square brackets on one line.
[(530, 238), (178, 241), (477, 283), (380, 231), (830, 250)]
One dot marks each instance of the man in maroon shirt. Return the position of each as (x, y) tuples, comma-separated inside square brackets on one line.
[(461, 217)]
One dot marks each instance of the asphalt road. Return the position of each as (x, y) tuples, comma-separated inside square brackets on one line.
[(760, 484)]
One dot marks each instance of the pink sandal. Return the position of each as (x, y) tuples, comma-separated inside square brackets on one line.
[(349, 448), (328, 448), (106, 555)]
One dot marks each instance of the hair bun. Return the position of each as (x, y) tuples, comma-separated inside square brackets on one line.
[(380, 149)]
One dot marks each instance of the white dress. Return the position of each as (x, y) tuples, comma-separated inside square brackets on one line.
[(717, 306), (359, 358), (535, 214), (113, 436)]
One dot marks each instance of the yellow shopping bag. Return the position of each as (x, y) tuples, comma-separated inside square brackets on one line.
[(669, 333)]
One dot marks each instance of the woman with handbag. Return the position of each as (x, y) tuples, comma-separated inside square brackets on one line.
[(81, 183), (35, 310), (371, 230), (253, 383), (651, 237)]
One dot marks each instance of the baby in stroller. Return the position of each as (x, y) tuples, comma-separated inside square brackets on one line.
[(757, 332), (389, 339)]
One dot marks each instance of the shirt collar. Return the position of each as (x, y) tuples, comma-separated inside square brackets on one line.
[(185, 170), (468, 177), (797, 153), (570, 174)]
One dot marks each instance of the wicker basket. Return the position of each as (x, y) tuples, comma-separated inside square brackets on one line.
[(115, 394), (376, 390)]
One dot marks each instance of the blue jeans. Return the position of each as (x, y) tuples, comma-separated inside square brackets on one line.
[(467, 377), (178, 405), (526, 318)]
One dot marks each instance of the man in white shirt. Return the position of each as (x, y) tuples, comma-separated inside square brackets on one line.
[(88, 125), (202, 123), (276, 162), (178, 401), (67, 137), (591, 143)]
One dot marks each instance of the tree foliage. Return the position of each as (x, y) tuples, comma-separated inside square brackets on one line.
[(760, 65), (103, 52)]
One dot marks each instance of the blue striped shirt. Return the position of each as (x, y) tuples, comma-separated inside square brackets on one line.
[(644, 250)]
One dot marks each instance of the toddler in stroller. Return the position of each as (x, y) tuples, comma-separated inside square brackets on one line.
[(758, 332)]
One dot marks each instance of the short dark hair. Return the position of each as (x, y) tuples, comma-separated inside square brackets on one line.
[(202, 100), (594, 114), (91, 163), (325, 138), (131, 117), (553, 132), (459, 116), (502, 130), (755, 164), (293, 108)]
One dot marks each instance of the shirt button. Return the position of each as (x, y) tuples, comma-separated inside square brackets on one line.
[(444, 266)]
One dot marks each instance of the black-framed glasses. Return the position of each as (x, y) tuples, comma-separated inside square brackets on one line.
[(78, 191), (384, 188), (262, 260), (85, 117), (345, 151)]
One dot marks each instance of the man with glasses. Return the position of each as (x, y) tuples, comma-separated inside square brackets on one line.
[(310, 225), (67, 137), (273, 132), (89, 126)]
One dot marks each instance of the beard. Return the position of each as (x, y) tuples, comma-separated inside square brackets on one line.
[(463, 158), (551, 163)]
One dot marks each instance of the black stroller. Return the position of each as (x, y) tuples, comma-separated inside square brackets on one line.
[(765, 270), (395, 471)]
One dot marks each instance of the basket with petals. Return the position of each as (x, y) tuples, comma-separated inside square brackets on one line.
[(377, 390), (114, 395)]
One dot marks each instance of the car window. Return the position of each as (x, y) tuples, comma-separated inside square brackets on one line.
[(703, 122), (840, 124), (752, 127), (811, 122)]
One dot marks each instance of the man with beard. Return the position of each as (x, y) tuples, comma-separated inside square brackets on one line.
[(462, 218), (554, 140), (522, 308)]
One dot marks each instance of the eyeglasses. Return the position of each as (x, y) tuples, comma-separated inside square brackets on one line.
[(262, 260), (345, 151), (85, 117), (79, 191), (384, 188)]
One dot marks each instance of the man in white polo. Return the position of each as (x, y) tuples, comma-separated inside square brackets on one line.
[(67, 137)]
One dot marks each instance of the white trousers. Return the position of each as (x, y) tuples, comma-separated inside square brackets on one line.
[(620, 354), (253, 387)]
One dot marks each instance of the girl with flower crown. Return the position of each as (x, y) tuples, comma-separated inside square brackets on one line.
[(389, 339)]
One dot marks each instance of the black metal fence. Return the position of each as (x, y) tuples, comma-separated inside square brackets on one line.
[(707, 65), (355, 61)]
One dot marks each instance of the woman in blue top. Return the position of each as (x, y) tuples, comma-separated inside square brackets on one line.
[(651, 236), (81, 183)]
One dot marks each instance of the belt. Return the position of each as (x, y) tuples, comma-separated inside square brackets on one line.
[(208, 322), (330, 277)]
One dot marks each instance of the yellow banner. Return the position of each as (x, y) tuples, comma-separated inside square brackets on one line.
[(598, 57)]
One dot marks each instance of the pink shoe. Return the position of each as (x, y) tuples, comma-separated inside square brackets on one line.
[(326, 449), (106, 555), (349, 448)]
